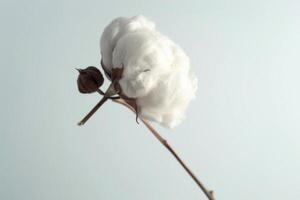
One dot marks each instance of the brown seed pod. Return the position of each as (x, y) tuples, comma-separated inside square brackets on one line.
[(89, 80)]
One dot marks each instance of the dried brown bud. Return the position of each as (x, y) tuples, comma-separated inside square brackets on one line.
[(89, 80)]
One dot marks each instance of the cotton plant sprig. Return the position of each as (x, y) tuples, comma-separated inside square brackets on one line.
[(148, 73)]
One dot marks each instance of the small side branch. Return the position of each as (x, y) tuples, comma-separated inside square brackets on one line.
[(164, 142)]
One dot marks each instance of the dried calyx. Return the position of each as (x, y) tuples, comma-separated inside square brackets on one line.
[(90, 79), (115, 75)]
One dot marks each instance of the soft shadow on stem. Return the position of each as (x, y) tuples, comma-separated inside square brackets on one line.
[(164, 142)]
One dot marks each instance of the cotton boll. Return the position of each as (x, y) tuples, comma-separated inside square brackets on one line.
[(166, 104), (156, 71), (146, 56), (116, 29)]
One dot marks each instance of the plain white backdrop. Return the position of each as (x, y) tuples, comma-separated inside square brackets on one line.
[(241, 136)]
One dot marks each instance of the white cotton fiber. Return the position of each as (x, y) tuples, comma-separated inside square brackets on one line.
[(156, 71)]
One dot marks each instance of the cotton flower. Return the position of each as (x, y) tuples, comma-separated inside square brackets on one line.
[(156, 70)]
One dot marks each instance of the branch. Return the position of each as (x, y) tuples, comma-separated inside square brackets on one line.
[(164, 142)]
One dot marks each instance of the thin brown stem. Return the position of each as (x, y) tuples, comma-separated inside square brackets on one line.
[(96, 107), (102, 93), (164, 142), (107, 95)]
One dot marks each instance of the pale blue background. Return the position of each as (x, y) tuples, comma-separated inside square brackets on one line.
[(242, 133)]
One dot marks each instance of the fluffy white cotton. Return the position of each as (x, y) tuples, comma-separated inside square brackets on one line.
[(156, 71)]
